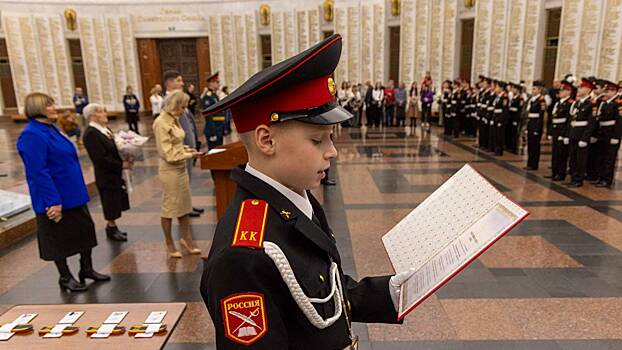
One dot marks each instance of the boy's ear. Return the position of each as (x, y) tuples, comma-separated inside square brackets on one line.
[(264, 139)]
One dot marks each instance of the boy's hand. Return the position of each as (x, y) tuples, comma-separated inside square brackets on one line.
[(395, 285)]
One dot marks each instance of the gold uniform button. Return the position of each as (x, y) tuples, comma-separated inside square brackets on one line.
[(349, 306), (274, 117), (254, 202), (322, 278)]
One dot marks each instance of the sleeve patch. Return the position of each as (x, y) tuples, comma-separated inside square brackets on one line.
[(244, 317), (249, 230)]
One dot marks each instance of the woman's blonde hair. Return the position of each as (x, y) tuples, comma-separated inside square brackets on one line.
[(35, 104), (174, 100)]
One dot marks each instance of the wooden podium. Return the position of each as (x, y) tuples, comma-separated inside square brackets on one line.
[(221, 164)]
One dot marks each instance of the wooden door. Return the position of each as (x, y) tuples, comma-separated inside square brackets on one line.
[(551, 42), (466, 48), (150, 72), (180, 55), (394, 54), (77, 65), (6, 78)]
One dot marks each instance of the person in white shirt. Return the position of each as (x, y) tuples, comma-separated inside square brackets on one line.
[(156, 100), (377, 98)]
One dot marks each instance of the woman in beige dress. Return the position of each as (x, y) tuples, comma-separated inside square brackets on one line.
[(172, 172)]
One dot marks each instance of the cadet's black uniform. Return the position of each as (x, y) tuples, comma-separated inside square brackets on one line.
[(536, 111), (310, 248), (514, 111), (595, 149), (460, 118), (560, 123), (449, 111), (483, 119), (500, 120), (581, 127), (610, 127)]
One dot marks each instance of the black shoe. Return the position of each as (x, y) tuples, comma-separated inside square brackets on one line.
[(194, 214), (594, 182), (575, 184), (592, 179), (92, 275), (528, 168), (198, 210), (114, 234), (558, 178), (70, 284), (603, 184), (550, 176), (328, 182)]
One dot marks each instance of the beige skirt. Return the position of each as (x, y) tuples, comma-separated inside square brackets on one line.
[(176, 198)]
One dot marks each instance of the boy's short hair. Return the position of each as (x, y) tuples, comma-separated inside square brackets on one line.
[(35, 104), (170, 75)]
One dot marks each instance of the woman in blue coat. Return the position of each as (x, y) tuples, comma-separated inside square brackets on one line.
[(58, 193)]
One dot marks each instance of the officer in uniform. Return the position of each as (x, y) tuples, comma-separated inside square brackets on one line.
[(500, 117), (460, 119), (491, 116), (273, 278), (514, 112), (214, 122), (560, 123), (484, 95), (595, 149), (582, 126), (536, 114), (610, 132)]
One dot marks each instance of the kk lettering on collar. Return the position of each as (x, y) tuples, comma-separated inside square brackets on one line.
[(249, 231)]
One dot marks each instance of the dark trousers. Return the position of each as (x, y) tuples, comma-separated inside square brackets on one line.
[(483, 134), (577, 161), (448, 123), (559, 159), (458, 120), (132, 122), (594, 154), (511, 137), (400, 115), (492, 135), (499, 145), (533, 149), (426, 112), (389, 111), (607, 164)]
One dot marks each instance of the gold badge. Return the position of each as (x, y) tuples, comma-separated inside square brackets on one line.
[(285, 214), (274, 117), (331, 87)]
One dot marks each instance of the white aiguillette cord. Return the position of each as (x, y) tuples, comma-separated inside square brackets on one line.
[(304, 302)]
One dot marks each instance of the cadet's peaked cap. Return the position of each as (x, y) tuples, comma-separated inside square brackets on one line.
[(566, 85), (586, 82), (538, 83), (212, 77), (609, 85), (299, 88), (502, 83)]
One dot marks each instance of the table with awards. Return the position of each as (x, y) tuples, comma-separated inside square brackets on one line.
[(89, 326)]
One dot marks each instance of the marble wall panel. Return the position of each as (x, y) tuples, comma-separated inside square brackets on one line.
[(367, 47), (289, 25), (407, 40), (302, 29), (354, 44), (450, 16), (341, 27), (422, 41), (217, 59), (314, 26), (436, 40), (569, 35), (379, 30), (497, 38), (588, 40), (532, 21), (241, 52), (610, 41), (229, 71), (481, 38), (278, 39), (514, 53)]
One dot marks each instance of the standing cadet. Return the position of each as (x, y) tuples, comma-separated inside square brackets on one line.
[(610, 126), (500, 118), (560, 123), (582, 126), (595, 149), (536, 114), (484, 94), (273, 278), (460, 119), (448, 109), (514, 111), (214, 123)]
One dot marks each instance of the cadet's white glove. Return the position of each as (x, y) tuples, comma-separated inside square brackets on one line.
[(549, 137), (560, 138), (514, 123), (213, 138), (535, 133), (582, 144), (395, 284), (614, 141), (566, 141), (593, 140)]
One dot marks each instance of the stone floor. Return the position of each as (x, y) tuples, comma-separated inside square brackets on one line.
[(555, 282)]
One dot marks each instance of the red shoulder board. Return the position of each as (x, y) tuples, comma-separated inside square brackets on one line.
[(244, 317), (251, 224)]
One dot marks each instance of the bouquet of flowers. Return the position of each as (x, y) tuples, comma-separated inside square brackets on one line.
[(130, 149)]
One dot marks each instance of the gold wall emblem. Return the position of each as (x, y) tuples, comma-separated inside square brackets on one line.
[(469, 3), (396, 7), (329, 10), (331, 87), (274, 117), (264, 14), (71, 19)]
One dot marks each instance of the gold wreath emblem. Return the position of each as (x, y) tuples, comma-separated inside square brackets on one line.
[(331, 87)]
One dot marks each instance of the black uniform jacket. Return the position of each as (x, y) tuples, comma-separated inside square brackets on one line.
[(583, 111), (535, 106), (107, 163), (610, 119), (560, 120), (310, 247)]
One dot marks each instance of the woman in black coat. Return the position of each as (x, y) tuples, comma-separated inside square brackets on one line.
[(131, 106), (100, 145)]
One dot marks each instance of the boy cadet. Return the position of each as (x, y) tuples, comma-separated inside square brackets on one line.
[(500, 118), (610, 131), (273, 277), (536, 114), (483, 111), (560, 123), (582, 126), (595, 149), (514, 111)]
